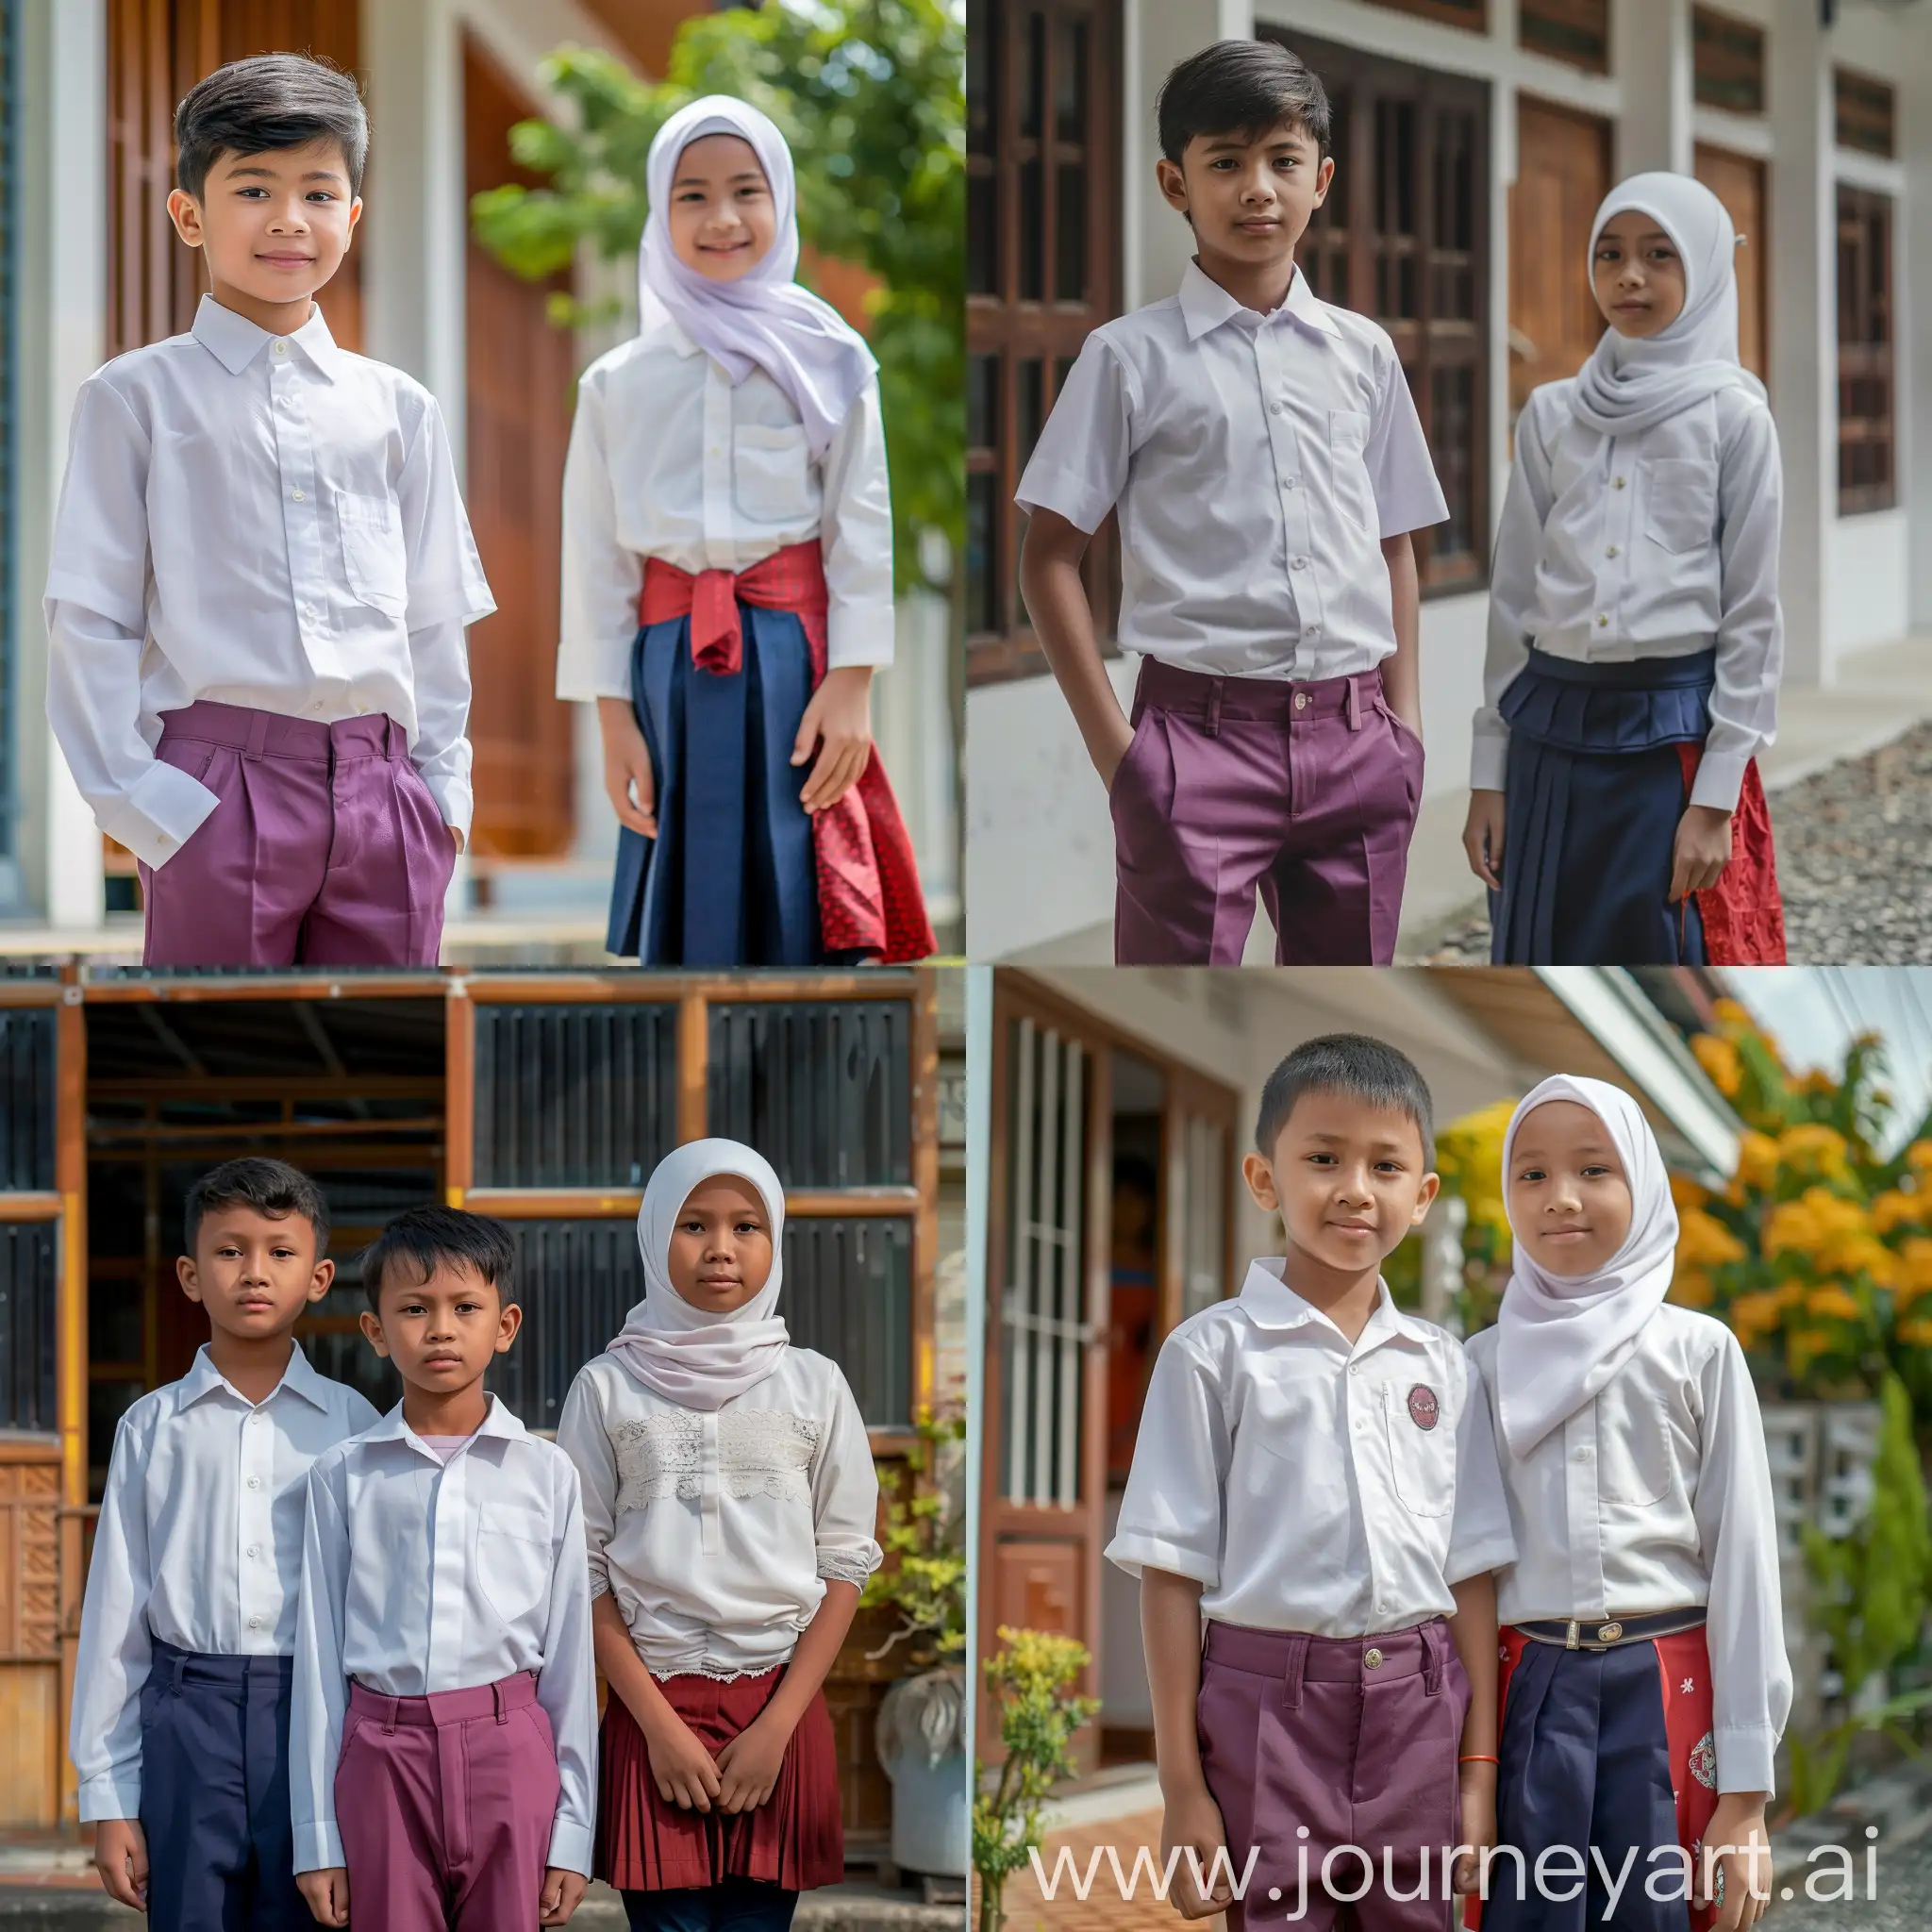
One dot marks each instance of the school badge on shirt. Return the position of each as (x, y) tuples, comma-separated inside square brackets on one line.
[(1423, 1409)]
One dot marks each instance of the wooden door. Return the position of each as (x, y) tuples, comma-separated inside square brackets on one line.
[(1739, 182), (1562, 174), (519, 383)]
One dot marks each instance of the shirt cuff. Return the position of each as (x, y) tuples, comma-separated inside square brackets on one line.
[(859, 634), (1134, 1554), (570, 1847), (1720, 778), (1489, 763), (454, 799), (318, 1847), (163, 811), (111, 1795), (1745, 1754), (849, 1566), (1498, 1553)]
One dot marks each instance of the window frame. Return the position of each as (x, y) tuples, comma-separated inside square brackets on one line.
[(1869, 351), (1704, 79)]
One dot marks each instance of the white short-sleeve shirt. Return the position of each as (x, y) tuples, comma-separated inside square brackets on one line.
[(1257, 462), (1311, 1483)]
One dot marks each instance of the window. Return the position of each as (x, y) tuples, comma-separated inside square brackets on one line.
[(1577, 31), (1727, 62), (1469, 13), (1867, 477), (1864, 113), (1041, 252), (1404, 237)]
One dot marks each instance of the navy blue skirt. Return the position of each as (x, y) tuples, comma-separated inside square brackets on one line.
[(730, 878), (1593, 797)]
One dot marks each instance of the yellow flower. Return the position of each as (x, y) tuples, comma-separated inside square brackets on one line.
[(1919, 1156), (1719, 1059), (1731, 1013), (1813, 1148), (1914, 1268), (1896, 1209), (1756, 1161), (1806, 1346), (1685, 1193), (1833, 1299), (1691, 1288), (1918, 1332), (1754, 1316), (1704, 1241)]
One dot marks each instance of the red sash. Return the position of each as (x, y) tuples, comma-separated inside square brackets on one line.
[(869, 899), (1743, 913)]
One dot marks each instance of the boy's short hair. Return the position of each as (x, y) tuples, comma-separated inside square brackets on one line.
[(1363, 1069), (420, 1239), (269, 102), (270, 1187), (1241, 87)]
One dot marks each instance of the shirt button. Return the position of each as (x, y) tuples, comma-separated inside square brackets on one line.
[(301, 496), (1275, 408), (255, 1482), (162, 839), (282, 348), (1301, 702), (1313, 630), (254, 1549), (1301, 563), (1583, 1455), (1602, 622), (255, 1623), (1616, 482), (1295, 482), (1611, 551)]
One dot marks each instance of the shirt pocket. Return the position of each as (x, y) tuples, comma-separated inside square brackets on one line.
[(1681, 512), (1421, 1448), (374, 560), (771, 474), (513, 1558), (1635, 1465), (1348, 443)]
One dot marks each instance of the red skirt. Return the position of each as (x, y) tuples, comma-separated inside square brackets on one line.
[(1744, 914), (794, 1838)]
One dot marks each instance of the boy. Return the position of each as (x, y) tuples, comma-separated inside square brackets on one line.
[(445, 1735), (1316, 1476), (180, 1723), (1267, 466), (262, 574)]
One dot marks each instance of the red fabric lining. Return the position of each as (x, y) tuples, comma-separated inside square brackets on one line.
[(1743, 913), (870, 898)]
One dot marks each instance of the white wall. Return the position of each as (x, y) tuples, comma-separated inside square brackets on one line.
[(1867, 566)]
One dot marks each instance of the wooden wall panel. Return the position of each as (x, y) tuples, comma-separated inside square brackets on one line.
[(1739, 182)]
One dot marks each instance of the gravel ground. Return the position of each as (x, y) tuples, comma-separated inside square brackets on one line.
[(1902, 1902), (1854, 860)]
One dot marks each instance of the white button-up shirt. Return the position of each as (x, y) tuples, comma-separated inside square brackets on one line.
[(1256, 462), (668, 458), (1657, 1495), (265, 520), (717, 1530), (199, 1543), (421, 1575), (1311, 1483), (1654, 546)]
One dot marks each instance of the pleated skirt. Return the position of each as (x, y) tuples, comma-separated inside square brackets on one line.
[(1593, 794), (794, 1838)]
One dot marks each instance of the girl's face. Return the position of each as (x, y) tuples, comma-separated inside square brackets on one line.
[(721, 1249), (1638, 276), (721, 215), (1569, 1195)]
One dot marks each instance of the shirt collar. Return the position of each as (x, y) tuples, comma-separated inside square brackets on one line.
[(393, 1428), (298, 1378), (234, 341), (1270, 1305), (1205, 304)]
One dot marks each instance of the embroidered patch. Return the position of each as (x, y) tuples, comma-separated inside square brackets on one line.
[(766, 1451), (1704, 1762), (1423, 1409)]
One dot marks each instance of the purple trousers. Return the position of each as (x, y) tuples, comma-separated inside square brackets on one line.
[(1307, 791), (1309, 1744), (326, 848), (445, 1805)]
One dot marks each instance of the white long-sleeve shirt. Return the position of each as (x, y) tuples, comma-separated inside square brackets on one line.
[(1659, 544), (1308, 1482), (669, 459), (717, 1530), (420, 1575), (266, 520), (198, 1544), (1657, 1495)]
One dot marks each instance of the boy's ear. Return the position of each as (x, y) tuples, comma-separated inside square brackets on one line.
[(1432, 1186), (1173, 184), (507, 1323), (372, 1333), (189, 1277), (324, 1275), (185, 212), (1260, 1180)]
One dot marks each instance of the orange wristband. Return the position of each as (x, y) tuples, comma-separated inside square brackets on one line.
[(1477, 1757)]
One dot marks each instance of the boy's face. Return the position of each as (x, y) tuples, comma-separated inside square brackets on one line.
[(722, 216), (254, 1273), (275, 227), (441, 1333), (1248, 201), (1348, 1180), (1569, 1196), (1638, 276), (721, 1249)]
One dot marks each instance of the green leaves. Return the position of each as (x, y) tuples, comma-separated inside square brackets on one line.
[(870, 95)]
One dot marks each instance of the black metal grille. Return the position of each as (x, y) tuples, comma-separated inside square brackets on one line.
[(26, 1098), (848, 1294), (575, 1096), (29, 1272), (823, 1088)]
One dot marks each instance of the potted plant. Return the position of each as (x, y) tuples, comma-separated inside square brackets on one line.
[(921, 1729)]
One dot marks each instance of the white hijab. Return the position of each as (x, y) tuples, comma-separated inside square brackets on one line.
[(1630, 385), (763, 318), (1561, 1338), (688, 1355)]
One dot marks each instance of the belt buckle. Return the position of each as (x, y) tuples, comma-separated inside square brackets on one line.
[(1609, 1633), (1570, 1639)]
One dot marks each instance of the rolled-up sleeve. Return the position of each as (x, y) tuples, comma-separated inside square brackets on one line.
[(567, 1684), (844, 1493), (1172, 1513), (1480, 1538), (1079, 465)]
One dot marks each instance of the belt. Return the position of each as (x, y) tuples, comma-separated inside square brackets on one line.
[(1589, 1633)]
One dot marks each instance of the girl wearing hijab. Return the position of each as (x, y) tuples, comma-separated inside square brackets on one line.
[(727, 583), (1645, 1685), (1635, 637), (729, 1504)]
